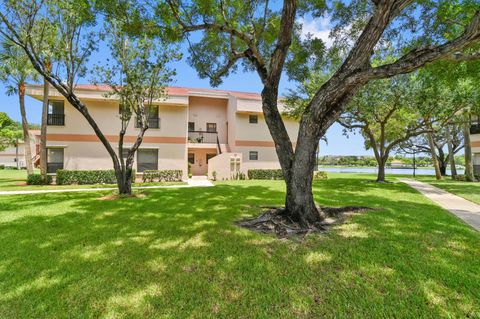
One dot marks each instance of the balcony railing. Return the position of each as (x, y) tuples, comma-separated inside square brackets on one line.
[(153, 122), (475, 128), (52, 167), (202, 137), (56, 119)]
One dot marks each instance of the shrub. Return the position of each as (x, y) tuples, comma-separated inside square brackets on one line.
[(265, 174), (37, 179), (82, 177), (2, 166), (162, 176), (214, 175), (320, 175)]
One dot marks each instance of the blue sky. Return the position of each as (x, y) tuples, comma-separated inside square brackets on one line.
[(338, 144)]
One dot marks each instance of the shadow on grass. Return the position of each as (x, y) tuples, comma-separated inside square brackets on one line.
[(177, 253)]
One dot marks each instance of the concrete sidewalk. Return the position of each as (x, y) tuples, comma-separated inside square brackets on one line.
[(466, 210), (191, 183)]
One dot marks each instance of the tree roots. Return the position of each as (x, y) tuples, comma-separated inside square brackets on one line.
[(275, 220)]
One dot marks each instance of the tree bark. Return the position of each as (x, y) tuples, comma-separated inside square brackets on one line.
[(468, 151), (16, 154), (124, 181), (26, 135), (381, 171), (451, 155), (43, 131), (431, 145), (443, 167)]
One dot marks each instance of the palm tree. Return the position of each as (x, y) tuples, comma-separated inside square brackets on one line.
[(15, 71)]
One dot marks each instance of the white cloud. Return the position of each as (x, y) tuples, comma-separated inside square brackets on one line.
[(318, 28)]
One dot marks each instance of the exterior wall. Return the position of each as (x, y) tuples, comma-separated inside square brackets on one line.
[(209, 110), (475, 142), (82, 150), (200, 166), (229, 110), (225, 166), (8, 156), (256, 137)]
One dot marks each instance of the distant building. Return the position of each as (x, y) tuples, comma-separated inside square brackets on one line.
[(14, 156)]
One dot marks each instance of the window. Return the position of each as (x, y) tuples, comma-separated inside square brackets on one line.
[(191, 158), (253, 119), (56, 115), (209, 156), (152, 116), (147, 159), (212, 127), (253, 156), (54, 159), (191, 126)]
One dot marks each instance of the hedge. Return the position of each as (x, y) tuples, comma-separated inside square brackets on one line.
[(320, 175), (37, 179), (69, 177), (265, 174), (162, 176)]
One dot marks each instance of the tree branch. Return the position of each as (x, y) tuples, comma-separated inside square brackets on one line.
[(421, 56)]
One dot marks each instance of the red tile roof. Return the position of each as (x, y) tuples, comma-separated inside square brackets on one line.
[(175, 90)]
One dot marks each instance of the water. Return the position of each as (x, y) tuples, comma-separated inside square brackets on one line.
[(373, 170)]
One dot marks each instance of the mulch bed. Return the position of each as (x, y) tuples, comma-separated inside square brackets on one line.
[(275, 221)]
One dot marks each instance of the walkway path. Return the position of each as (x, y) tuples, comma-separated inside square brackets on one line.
[(190, 183), (466, 210)]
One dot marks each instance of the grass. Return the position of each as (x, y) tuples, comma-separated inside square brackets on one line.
[(14, 180), (467, 190), (176, 253)]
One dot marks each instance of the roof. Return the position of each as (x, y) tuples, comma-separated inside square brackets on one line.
[(178, 91)]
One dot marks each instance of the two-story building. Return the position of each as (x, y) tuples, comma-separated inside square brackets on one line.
[(475, 142), (14, 155), (213, 130)]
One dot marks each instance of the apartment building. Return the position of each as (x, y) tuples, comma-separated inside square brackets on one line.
[(14, 156), (213, 130), (475, 142)]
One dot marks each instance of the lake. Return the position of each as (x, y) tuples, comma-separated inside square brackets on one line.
[(372, 170)]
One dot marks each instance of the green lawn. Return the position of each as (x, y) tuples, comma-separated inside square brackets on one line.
[(176, 253), (467, 190), (14, 180)]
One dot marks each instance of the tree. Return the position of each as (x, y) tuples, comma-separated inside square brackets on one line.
[(15, 71), (10, 131), (137, 76), (449, 136), (73, 22), (259, 37), (387, 115)]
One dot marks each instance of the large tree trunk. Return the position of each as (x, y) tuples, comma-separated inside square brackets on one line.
[(124, 180), (451, 155), (297, 167), (43, 131), (26, 135), (381, 171), (431, 144), (468, 151), (300, 204), (443, 167)]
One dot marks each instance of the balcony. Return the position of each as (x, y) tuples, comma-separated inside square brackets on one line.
[(202, 137), (153, 122), (475, 128), (56, 119)]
